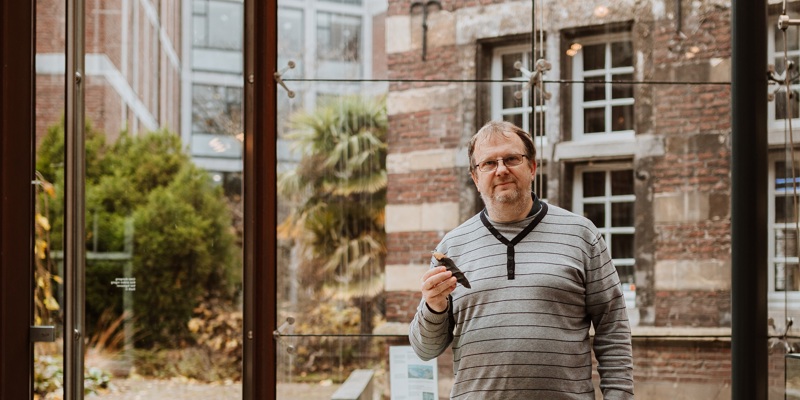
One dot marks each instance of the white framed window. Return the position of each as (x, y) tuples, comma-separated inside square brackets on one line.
[(783, 263), (777, 111), (605, 195), (505, 104), (600, 109)]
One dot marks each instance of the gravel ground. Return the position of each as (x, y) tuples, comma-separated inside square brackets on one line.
[(177, 389)]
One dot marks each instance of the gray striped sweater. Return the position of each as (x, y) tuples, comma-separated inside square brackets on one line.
[(522, 331)]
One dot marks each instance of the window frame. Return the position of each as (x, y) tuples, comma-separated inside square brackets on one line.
[(578, 202), (772, 54), (526, 109), (578, 76)]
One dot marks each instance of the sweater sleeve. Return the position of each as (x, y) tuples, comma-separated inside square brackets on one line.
[(429, 332), (612, 340)]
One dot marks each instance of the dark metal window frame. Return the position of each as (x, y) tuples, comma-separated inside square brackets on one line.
[(16, 197), (17, 147)]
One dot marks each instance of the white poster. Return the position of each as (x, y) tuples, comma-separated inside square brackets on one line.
[(412, 378)]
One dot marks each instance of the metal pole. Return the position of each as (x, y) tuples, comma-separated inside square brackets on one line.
[(749, 200), (74, 243)]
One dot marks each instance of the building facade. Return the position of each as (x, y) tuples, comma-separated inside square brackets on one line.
[(633, 131)]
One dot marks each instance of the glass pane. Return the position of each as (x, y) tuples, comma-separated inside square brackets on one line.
[(785, 243), (225, 25), (621, 54), (784, 210), (594, 91), (338, 37), (594, 57), (622, 90), (621, 182), (508, 66), (164, 201), (622, 214), (780, 64), (594, 184), (510, 99), (596, 213), (292, 44), (622, 118), (780, 104), (594, 120), (48, 222), (516, 119), (787, 277), (622, 245)]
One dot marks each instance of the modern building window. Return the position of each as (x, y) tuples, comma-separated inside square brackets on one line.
[(509, 102), (217, 36), (338, 37), (604, 194), (603, 105), (217, 124)]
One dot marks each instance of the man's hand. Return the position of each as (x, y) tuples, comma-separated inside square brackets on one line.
[(437, 284)]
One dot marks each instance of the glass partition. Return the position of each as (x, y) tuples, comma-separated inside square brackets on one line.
[(48, 284), (630, 109), (163, 205)]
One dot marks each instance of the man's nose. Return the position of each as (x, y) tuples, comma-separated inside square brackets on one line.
[(501, 164)]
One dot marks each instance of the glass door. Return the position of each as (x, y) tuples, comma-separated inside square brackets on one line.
[(162, 205)]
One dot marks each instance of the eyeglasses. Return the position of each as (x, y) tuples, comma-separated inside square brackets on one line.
[(511, 160)]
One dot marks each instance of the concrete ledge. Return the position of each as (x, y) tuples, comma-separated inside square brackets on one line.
[(674, 333), (358, 386)]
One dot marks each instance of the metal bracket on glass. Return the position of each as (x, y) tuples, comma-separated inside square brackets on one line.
[(534, 78), (278, 333), (279, 78), (773, 78), (43, 333), (782, 340)]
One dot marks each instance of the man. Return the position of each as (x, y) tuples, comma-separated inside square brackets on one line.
[(540, 276)]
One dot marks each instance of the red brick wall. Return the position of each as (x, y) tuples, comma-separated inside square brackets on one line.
[(411, 247), (401, 306)]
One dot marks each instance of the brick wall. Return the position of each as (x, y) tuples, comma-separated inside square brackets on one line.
[(401, 306)]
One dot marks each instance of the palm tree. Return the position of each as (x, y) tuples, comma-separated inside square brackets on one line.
[(340, 187)]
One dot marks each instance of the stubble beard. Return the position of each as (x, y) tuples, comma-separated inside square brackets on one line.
[(507, 200)]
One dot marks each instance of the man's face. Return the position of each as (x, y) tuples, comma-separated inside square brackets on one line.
[(504, 185)]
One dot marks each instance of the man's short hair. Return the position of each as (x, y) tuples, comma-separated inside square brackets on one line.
[(504, 128)]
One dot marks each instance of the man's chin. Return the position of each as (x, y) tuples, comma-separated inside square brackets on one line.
[(511, 196)]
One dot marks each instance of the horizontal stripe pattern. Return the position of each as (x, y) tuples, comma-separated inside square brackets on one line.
[(529, 337)]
